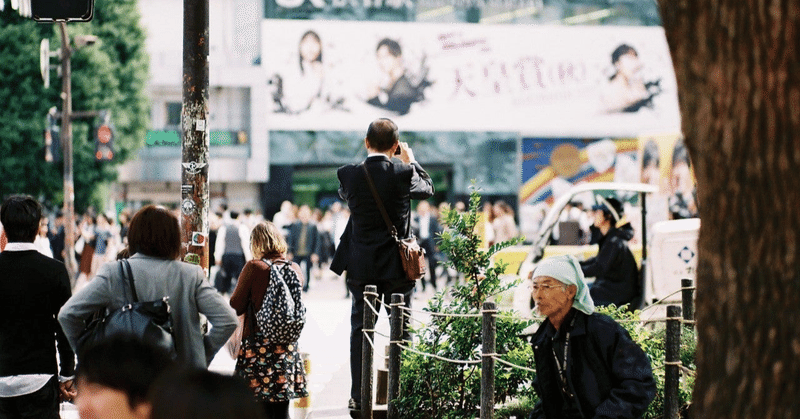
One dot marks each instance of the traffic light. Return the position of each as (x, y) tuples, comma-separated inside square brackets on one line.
[(52, 139), (104, 142), (63, 10)]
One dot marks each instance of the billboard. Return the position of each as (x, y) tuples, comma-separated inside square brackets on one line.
[(543, 81)]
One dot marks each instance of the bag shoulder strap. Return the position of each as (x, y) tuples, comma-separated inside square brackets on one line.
[(129, 278), (389, 225)]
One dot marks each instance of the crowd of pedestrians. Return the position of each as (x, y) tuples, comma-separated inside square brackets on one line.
[(261, 268)]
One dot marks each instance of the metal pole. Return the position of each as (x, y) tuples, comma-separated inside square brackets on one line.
[(395, 336), (487, 360), (672, 363), (687, 296), (195, 134), (370, 296), (66, 147)]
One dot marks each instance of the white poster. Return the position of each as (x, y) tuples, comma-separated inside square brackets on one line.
[(538, 80)]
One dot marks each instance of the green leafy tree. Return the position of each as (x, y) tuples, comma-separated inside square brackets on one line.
[(430, 388), (110, 75)]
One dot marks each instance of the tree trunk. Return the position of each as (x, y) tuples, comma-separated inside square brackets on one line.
[(737, 67)]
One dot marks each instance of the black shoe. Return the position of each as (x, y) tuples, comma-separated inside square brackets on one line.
[(352, 404)]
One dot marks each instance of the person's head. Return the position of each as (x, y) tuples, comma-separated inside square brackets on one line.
[(310, 48), (607, 212), (389, 55), (154, 232), (502, 208), (304, 214), (44, 226), (202, 394), (626, 61), (114, 378), (266, 241), (382, 135), (558, 285), (423, 208), (20, 216)]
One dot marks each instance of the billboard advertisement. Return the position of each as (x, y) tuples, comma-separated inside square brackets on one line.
[(543, 81)]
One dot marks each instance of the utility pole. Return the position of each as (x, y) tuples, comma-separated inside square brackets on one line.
[(66, 147), (195, 134)]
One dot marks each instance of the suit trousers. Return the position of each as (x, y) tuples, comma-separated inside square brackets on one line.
[(430, 256), (357, 323), (232, 265)]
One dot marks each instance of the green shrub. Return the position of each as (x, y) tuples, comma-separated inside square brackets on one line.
[(432, 388)]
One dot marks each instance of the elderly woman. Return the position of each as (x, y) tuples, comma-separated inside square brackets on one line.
[(154, 240), (587, 365)]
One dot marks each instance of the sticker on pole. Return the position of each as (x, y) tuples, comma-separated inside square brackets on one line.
[(192, 258), (194, 167), (198, 238), (188, 206)]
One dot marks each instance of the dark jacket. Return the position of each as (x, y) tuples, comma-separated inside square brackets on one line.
[(366, 250), (607, 372), (312, 238), (614, 269), (33, 287)]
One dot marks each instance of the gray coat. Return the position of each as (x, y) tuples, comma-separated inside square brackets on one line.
[(189, 292)]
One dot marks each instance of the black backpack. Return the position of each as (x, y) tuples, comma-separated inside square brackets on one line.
[(282, 314)]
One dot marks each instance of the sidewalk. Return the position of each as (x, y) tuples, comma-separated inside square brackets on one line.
[(326, 338)]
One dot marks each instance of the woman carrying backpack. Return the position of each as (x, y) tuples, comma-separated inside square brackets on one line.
[(268, 358)]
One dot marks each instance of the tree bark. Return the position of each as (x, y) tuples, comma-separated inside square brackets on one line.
[(737, 67)]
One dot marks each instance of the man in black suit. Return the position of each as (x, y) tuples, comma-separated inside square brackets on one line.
[(367, 250), (304, 242), (426, 227), (33, 287)]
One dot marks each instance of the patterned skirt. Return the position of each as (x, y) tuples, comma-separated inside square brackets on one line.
[(273, 371)]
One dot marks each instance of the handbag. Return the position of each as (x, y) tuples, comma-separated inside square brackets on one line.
[(412, 255), (149, 321)]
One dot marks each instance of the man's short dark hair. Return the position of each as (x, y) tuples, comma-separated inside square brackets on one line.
[(125, 364), (382, 134), (202, 394), (392, 45), (20, 216), (154, 232)]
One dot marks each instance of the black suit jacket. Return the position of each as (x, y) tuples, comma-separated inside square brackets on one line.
[(33, 287), (312, 238), (367, 251)]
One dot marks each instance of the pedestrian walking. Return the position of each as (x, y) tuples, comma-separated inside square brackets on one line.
[(232, 251), (154, 240), (426, 227), (273, 370), (367, 251), (33, 287), (304, 242)]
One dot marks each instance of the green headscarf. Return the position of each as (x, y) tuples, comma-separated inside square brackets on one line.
[(567, 270)]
